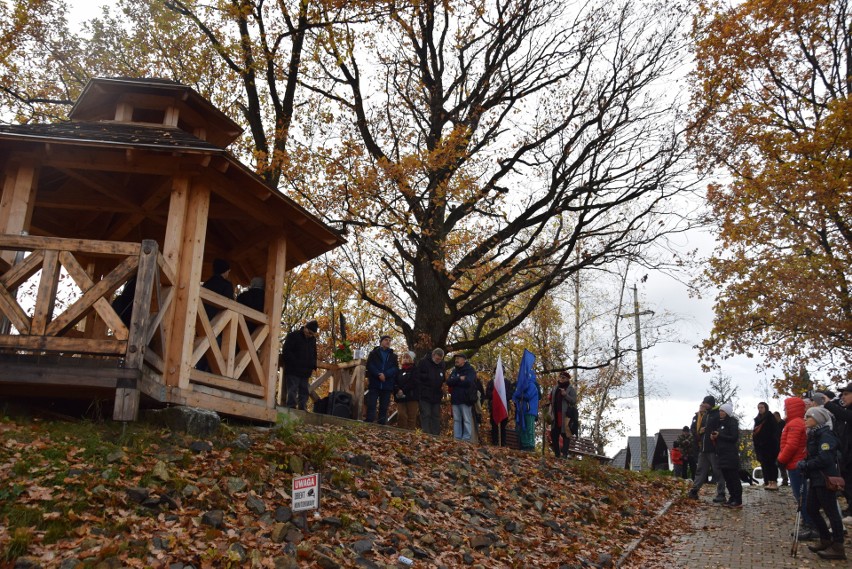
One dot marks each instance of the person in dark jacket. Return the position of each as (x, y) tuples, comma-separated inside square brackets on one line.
[(841, 408), (779, 426), (726, 440), (563, 410), (219, 284), (406, 395), (703, 424), (430, 381), (690, 453), (123, 303), (820, 462), (764, 437), (498, 431), (299, 358), (382, 369), (254, 298), (462, 381)]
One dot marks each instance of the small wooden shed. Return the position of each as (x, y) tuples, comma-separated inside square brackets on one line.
[(139, 184)]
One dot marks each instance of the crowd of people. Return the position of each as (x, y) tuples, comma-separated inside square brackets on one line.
[(418, 388), (809, 447)]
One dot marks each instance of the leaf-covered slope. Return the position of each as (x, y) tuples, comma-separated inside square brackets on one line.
[(88, 495)]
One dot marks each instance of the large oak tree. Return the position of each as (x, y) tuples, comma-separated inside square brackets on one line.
[(479, 152), (771, 95)]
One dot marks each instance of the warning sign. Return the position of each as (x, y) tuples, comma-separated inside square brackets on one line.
[(306, 491)]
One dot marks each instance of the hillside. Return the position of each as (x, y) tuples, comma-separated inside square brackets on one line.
[(85, 494)]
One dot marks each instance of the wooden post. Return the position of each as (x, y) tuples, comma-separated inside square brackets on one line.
[(188, 276), (127, 393), (272, 303), (16, 204)]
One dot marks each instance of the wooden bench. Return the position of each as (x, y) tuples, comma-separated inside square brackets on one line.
[(578, 447)]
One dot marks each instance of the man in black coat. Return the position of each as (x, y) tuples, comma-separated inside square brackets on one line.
[(254, 298), (299, 358), (219, 284), (430, 381), (841, 408), (705, 422)]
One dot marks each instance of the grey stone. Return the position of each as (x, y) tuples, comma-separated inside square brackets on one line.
[(293, 536), (161, 471), (480, 542), (256, 505), (239, 550), (196, 422), (138, 495), (366, 563), (243, 441), (25, 562), (115, 456), (362, 546), (70, 564), (279, 532), (213, 518), (283, 514), (297, 465), (285, 562), (200, 446), (236, 485), (326, 562), (190, 490)]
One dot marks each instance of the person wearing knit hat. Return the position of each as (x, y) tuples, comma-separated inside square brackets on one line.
[(299, 359), (219, 284), (406, 392), (821, 462), (703, 424), (727, 439)]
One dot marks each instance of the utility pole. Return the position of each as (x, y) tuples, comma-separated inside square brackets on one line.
[(643, 438)]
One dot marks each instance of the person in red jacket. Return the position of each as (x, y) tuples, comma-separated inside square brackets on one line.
[(794, 440), (677, 460)]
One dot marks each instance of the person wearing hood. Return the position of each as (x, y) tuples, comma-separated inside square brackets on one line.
[(382, 369), (462, 381), (765, 440), (821, 461), (793, 449), (726, 440), (705, 422)]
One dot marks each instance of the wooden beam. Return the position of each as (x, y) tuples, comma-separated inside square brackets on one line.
[(276, 267), (46, 298), (226, 384), (62, 344), (16, 204), (87, 246), (175, 224), (102, 306), (191, 251)]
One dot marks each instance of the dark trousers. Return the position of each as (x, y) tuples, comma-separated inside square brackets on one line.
[(382, 396), (430, 417), (297, 392), (821, 499), (732, 482), (498, 432), (555, 435), (769, 465)]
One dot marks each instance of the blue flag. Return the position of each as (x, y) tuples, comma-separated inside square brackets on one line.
[(526, 391)]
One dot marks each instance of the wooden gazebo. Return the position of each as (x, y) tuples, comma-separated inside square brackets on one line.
[(138, 184)]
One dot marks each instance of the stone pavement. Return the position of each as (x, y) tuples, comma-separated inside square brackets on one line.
[(754, 537)]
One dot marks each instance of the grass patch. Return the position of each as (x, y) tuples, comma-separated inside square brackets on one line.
[(18, 545), (22, 517)]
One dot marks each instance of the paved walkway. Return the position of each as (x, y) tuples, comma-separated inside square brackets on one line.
[(756, 537)]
